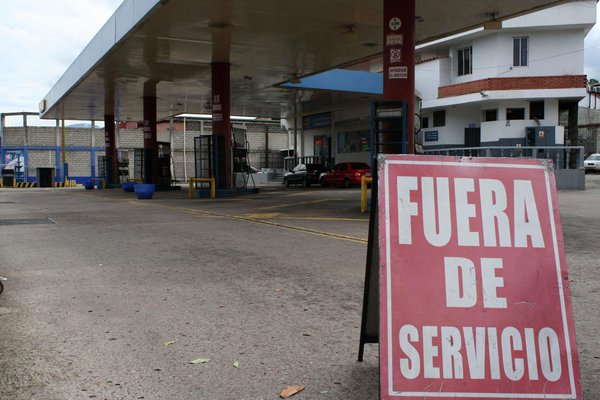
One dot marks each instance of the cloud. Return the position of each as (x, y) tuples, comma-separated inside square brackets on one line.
[(592, 50), (40, 39)]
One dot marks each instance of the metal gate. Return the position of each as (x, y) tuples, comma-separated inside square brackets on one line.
[(209, 159)]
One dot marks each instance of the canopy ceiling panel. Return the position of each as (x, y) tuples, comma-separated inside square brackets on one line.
[(165, 49)]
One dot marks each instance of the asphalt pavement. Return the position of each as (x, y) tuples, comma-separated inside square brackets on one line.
[(109, 297)]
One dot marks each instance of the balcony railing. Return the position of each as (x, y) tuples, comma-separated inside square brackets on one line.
[(563, 157)]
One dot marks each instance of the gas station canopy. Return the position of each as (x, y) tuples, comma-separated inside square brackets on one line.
[(165, 48)]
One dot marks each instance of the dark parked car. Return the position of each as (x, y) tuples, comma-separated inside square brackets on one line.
[(305, 174), (346, 174)]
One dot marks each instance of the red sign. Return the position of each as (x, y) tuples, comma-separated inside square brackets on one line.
[(474, 290)]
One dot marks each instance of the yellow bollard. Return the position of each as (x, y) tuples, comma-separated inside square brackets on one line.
[(211, 181), (364, 180)]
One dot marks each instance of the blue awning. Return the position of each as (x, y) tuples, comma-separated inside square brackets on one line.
[(341, 80)]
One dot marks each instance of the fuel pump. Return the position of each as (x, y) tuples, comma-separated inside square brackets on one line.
[(164, 165), (241, 163)]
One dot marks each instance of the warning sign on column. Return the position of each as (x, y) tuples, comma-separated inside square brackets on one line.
[(398, 73), (396, 56), (474, 290)]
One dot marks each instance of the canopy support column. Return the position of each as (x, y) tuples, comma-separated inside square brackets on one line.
[(112, 170), (150, 141), (399, 63), (221, 123)]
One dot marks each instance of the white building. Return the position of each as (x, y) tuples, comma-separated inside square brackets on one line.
[(487, 86), (479, 88)]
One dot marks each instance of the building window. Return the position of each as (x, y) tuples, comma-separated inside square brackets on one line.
[(515, 113), (425, 122), (536, 110), (465, 61), (322, 146), (520, 52), (490, 115), (353, 142), (439, 118)]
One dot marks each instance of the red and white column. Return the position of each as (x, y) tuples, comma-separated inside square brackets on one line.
[(399, 58), (221, 121), (110, 145), (150, 141)]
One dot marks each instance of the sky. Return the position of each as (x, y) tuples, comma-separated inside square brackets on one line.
[(39, 39), (592, 50)]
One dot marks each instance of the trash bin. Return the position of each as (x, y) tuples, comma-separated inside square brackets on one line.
[(8, 177)]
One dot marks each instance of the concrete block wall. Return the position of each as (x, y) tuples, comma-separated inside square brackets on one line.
[(40, 136), (256, 136), (589, 129), (588, 137), (184, 165), (127, 139), (78, 137), (80, 161), (98, 138), (49, 136), (14, 136), (183, 170), (189, 140), (163, 136), (40, 159), (278, 137)]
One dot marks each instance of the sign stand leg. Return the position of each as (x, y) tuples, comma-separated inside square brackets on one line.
[(369, 329)]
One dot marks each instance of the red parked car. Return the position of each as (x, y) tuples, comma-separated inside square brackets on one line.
[(346, 174)]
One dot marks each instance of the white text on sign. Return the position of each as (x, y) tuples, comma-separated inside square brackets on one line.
[(522, 231), (485, 350), (443, 209)]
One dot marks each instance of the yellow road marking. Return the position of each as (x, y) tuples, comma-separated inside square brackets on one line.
[(276, 215), (249, 219), (323, 219), (265, 215), (297, 204), (258, 221), (296, 194)]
